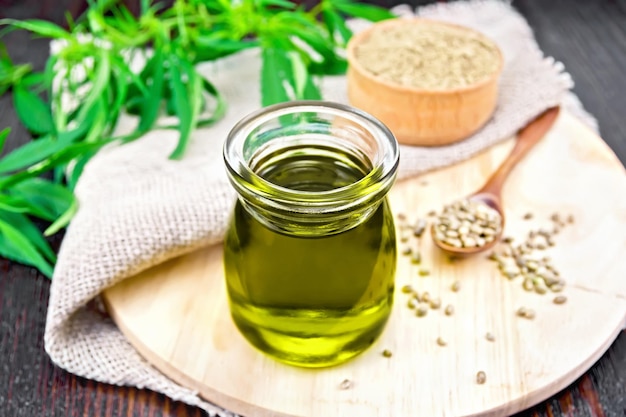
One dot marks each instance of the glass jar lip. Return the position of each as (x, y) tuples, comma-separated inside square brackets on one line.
[(381, 173)]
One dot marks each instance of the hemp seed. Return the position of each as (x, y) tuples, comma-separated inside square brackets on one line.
[(481, 377)]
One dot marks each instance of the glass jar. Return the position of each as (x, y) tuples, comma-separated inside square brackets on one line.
[(310, 251)]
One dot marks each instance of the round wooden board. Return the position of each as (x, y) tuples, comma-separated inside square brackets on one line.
[(176, 314)]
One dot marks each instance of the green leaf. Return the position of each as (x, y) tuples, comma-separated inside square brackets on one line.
[(99, 83), (31, 153), (50, 71), (336, 26), (40, 149), (60, 158), (11, 74), (220, 104), (75, 150), (145, 6), (311, 90), (336, 66), (285, 4), (216, 46), (217, 111), (364, 11), (152, 101), (63, 220), (46, 200), (71, 24), (77, 168), (16, 246), (300, 75), (3, 137), (99, 123), (276, 68), (136, 85), (32, 233), (187, 99), (40, 27), (316, 41), (77, 134), (35, 80), (34, 113), (119, 89), (12, 204)]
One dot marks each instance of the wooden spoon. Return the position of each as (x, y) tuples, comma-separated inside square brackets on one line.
[(490, 193)]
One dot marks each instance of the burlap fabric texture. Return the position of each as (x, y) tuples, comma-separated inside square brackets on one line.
[(137, 208)]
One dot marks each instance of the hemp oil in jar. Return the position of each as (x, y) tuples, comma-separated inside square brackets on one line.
[(310, 250)]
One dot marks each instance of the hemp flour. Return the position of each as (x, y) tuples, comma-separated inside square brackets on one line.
[(428, 55)]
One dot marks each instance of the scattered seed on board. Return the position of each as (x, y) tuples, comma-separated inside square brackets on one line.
[(421, 310), (528, 216), (345, 384), (387, 353), (528, 284), (432, 213), (456, 286), (406, 251), (449, 310), (420, 227), (407, 289), (435, 303), (560, 299), (526, 313), (423, 272), (538, 274), (441, 342), (481, 377), (412, 303), (490, 337), (416, 257)]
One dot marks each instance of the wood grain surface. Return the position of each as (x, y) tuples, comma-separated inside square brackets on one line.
[(176, 314), (589, 37)]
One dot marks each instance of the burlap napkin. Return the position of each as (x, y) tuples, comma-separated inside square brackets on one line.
[(137, 208)]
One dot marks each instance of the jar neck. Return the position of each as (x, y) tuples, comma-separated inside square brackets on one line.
[(311, 168)]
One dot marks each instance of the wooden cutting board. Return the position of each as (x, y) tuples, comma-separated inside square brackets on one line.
[(176, 314)]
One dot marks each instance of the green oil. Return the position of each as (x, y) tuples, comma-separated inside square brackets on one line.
[(302, 297)]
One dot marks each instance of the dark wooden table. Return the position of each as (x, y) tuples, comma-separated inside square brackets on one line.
[(588, 36)]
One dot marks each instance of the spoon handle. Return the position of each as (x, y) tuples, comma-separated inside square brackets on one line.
[(527, 137)]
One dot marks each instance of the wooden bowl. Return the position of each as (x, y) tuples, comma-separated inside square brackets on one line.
[(418, 115)]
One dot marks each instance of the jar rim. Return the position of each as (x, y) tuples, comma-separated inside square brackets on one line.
[(378, 178)]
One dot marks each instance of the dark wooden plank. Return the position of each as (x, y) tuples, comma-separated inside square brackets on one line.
[(588, 36)]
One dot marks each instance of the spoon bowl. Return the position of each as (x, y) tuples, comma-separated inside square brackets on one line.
[(488, 199), (490, 194)]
